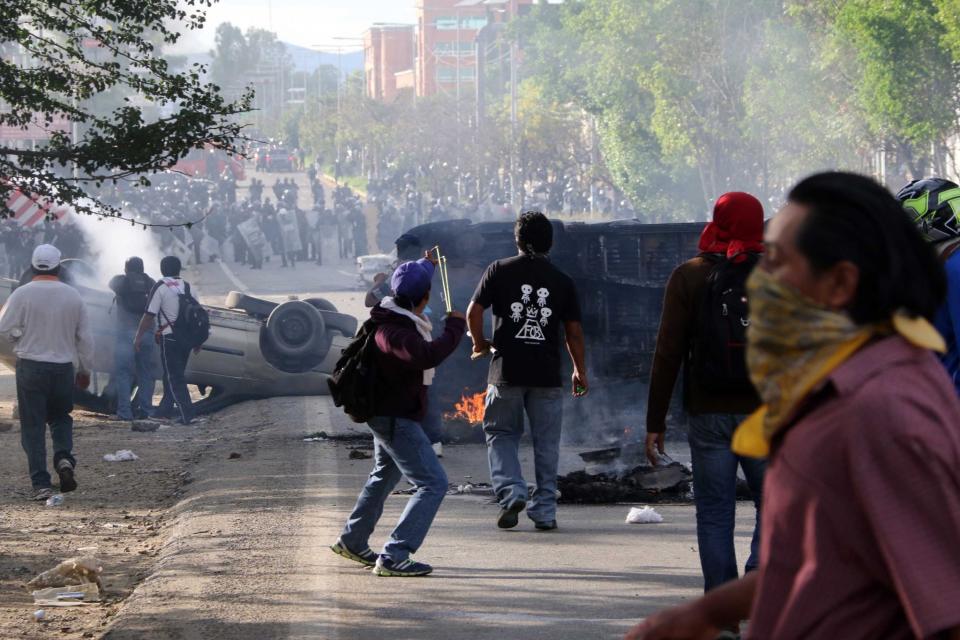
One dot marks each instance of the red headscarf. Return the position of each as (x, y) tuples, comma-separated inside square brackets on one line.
[(737, 226)]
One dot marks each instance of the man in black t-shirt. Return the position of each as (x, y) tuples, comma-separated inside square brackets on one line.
[(531, 300)]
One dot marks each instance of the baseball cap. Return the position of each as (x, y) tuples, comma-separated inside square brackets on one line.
[(45, 257), (412, 279)]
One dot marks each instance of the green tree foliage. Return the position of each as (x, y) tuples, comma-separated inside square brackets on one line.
[(57, 59), (903, 77), (254, 61), (751, 94)]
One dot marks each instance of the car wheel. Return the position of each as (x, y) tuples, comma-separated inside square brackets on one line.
[(296, 330), (253, 306), (320, 304), (345, 324)]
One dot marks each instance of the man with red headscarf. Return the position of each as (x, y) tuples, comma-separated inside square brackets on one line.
[(703, 330)]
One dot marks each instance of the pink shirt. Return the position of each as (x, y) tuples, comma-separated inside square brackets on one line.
[(860, 535)]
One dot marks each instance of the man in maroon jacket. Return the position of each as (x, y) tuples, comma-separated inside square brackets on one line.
[(405, 361)]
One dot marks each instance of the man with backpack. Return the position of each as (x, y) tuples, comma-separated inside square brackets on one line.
[(383, 380), (132, 291), (181, 325), (703, 330)]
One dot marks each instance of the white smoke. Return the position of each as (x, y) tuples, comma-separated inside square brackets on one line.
[(111, 241)]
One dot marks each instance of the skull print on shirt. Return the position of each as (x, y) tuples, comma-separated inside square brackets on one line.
[(534, 314)]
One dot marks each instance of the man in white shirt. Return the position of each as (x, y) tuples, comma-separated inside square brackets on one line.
[(162, 312), (48, 324)]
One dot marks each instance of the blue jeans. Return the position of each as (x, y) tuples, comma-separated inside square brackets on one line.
[(45, 396), (128, 364), (433, 422), (715, 495), (503, 427), (401, 448)]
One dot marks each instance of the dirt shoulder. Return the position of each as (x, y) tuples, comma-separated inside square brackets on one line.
[(120, 507)]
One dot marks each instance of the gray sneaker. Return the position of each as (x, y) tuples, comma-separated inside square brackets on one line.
[(367, 557), (404, 569), (42, 495), (509, 517)]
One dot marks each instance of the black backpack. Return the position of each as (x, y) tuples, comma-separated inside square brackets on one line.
[(135, 293), (353, 384), (718, 359), (192, 326)]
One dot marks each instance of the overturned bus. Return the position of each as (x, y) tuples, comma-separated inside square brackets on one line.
[(620, 269)]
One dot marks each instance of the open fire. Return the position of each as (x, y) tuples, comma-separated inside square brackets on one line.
[(469, 408)]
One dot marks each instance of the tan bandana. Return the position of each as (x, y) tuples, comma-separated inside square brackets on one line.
[(794, 344)]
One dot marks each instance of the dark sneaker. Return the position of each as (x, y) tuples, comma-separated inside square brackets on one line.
[(42, 495), (366, 557), (545, 525), (67, 482), (404, 569), (510, 516)]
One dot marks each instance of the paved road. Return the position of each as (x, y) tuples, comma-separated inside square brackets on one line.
[(248, 560)]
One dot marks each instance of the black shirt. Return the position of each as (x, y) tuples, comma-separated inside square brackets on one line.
[(530, 300)]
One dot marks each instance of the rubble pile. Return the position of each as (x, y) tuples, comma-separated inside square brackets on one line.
[(643, 483)]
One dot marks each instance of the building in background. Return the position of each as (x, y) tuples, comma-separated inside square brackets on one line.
[(388, 60), (447, 33), (438, 55)]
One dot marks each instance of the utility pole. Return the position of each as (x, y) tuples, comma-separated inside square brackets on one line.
[(515, 198)]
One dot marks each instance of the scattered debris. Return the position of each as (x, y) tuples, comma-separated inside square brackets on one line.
[(670, 483), (39, 615), (144, 426), (68, 596), (478, 488), (234, 456), (121, 456), (644, 515), (80, 570), (358, 454), (55, 500), (321, 436)]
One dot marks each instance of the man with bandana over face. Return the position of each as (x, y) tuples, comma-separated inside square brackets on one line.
[(861, 427), (729, 246)]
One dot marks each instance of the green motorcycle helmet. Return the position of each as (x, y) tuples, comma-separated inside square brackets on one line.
[(934, 206)]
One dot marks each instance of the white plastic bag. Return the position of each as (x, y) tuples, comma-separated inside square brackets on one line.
[(644, 515), (121, 456)]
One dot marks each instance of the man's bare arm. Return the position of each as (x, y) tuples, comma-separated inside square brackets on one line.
[(723, 607), (576, 347), (147, 323), (475, 324)]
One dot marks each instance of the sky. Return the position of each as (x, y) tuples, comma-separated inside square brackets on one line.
[(302, 22)]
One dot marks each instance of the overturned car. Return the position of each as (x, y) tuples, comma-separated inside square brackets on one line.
[(256, 349)]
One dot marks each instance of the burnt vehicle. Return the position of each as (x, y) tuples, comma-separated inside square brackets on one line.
[(256, 349), (620, 268)]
